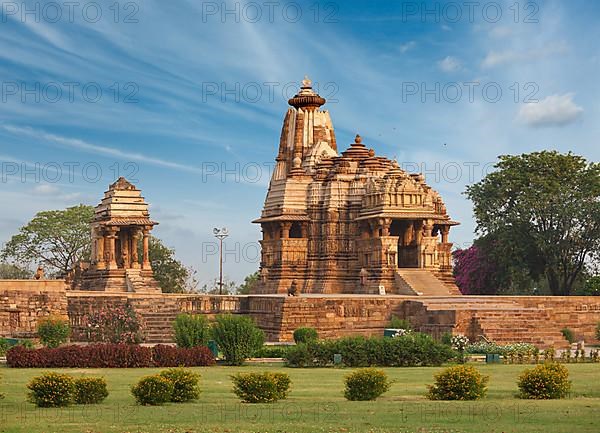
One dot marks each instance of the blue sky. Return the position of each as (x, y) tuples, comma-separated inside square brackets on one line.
[(187, 98)]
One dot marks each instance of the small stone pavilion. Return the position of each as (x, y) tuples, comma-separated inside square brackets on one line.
[(120, 221), (348, 223)]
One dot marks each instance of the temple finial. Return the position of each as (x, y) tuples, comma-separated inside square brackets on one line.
[(306, 97), (306, 82)]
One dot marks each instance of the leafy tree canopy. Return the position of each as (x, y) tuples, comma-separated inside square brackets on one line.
[(543, 208), (172, 275), (249, 283), (9, 271), (59, 239), (56, 239)]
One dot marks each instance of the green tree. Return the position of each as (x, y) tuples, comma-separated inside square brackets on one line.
[(212, 288), (9, 271), (57, 239), (249, 284), (543, 210), (238, 337), (172, 275)]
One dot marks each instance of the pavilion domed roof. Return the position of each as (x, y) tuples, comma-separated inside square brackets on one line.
[(123, 204)]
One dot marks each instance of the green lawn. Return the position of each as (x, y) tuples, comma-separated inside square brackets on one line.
[(315, 405)]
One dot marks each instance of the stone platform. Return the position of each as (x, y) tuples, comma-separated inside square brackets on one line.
[(503, 319)]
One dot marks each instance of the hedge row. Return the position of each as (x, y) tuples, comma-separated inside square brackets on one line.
[(413, 349), (109, 356)]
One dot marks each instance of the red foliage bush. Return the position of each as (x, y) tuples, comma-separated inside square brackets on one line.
[(108, 356), (170, 356)]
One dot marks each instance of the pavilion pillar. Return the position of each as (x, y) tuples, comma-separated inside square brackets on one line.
[(111, 256), (146, 249), (99, 256), (135, 260), (125, 257)]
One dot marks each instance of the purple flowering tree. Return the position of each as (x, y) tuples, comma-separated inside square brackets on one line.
[(475, 272)]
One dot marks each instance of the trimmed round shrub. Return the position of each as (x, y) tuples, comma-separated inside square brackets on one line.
[(153, 390), (191, 330), (53, 331), (272, 351), (185, 384), (460, 382), (304, 335), (398, 323), (4, 346), (51, 390), (238, 337), (264, 387), (366, 384), (89, 390), (544, 381)]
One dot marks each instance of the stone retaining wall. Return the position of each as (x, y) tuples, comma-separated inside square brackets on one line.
[(24, 302), (503, 319)]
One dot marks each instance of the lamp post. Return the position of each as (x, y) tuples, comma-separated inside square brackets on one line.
[(220, 234)]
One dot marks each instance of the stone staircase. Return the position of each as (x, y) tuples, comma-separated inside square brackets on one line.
[(157, 314), (526, 325), (138, 280), (502, 321), (423, 282)]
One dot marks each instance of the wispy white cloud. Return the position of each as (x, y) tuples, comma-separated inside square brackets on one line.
[(450, 64), (498, 58), (85, 146), (407, 46), (554, 110)]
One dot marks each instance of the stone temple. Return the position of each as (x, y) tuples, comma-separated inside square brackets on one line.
[(348, 223), (359, 239)]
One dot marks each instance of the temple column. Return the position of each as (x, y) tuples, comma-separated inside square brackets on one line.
[(304, 230), (384, 225), (427, 228), (374, 228), (408, 234), (418, 228), (266, 232), (285, 230), (445, 231), (146, 249)]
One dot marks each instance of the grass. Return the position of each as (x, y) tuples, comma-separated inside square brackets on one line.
[(316, 404)]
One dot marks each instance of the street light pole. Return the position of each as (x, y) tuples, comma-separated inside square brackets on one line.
[(220, 234)]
